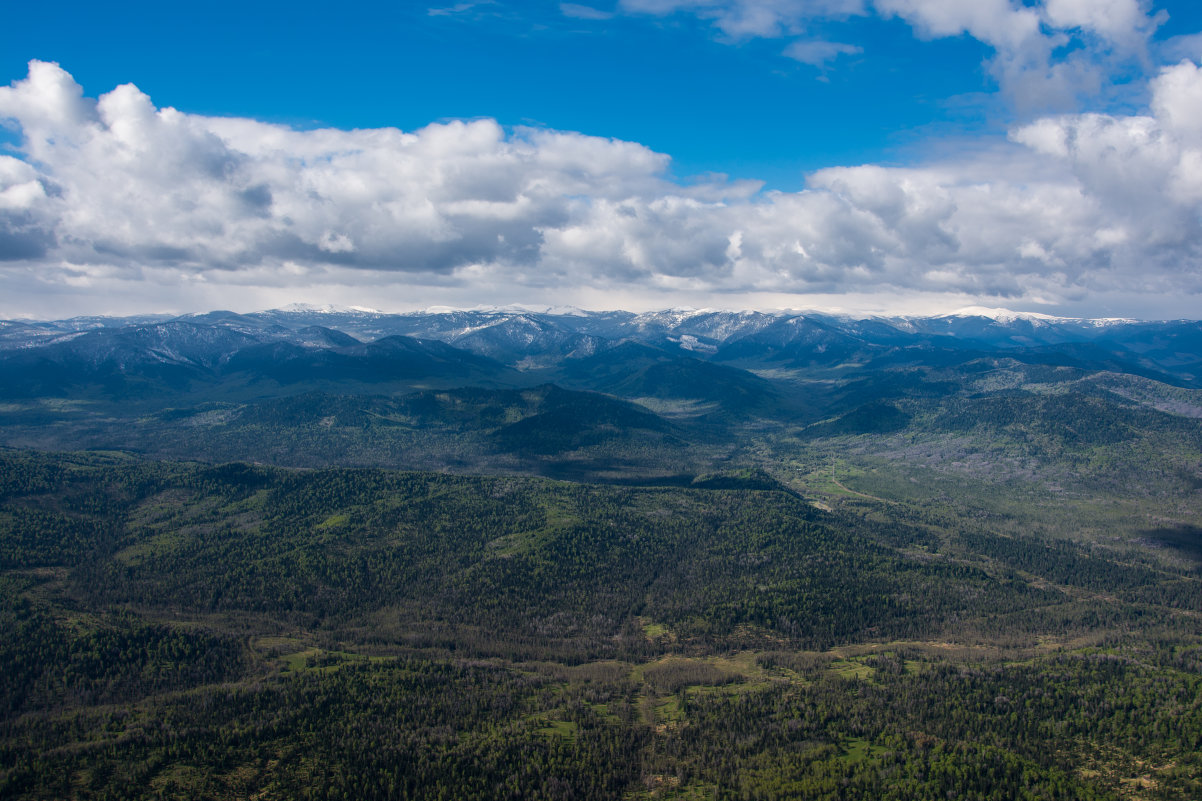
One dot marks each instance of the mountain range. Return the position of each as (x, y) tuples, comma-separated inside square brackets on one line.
[(594, 395), (505, 345)]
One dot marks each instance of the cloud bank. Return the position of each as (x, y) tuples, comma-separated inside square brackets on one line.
[(116, 194)]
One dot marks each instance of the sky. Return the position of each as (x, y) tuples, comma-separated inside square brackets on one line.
[(857, 156)]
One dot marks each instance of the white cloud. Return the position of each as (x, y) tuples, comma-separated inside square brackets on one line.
[(457, 8), (141, 185), (118, 195), (577, 11), (1119, 21), (995, 22), (740, 19), (1045, 56), (818, 53), (1177, 100)]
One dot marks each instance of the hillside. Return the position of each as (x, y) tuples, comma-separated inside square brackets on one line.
[(202, 625)]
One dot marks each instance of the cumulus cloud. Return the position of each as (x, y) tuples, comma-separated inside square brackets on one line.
[(140, 185), (1143, 177), (117, 191), (26, 230)]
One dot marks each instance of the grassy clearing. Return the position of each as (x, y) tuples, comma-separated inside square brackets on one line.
[(560, 729), (851, 669), (603, 711), (655, 631), (859, 750), (322, 660), (276, 647), (829, 480), (298, 661), (669, 712), (148, 549), (558, 518)]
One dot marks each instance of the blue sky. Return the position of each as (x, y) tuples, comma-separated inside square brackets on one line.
[(835, 109), (672, 83)]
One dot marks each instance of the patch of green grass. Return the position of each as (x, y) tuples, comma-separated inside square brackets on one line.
[(859, 750), (557, 518), (147, 549), (320, 660), (563, 729), (560, 517), (605, 671), (603, 712), (669, 710), (735, 688), (851, 669), (298, 662), (276, 647), (518, 542), (655, 631), (256, 500)]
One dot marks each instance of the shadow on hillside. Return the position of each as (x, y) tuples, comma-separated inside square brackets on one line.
[(1186, 540)]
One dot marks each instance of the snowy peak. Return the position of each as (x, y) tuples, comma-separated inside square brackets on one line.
[(1005, 315), (326, 308)]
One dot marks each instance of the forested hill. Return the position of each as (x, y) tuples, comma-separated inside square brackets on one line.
[(215, 631)]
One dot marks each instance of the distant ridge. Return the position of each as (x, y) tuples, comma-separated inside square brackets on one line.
[(515, 345)]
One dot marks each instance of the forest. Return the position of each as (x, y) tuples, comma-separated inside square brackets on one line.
[(187, 630), (485, 555)]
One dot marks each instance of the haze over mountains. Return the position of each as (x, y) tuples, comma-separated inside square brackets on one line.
[(514, 347), (587, 395)]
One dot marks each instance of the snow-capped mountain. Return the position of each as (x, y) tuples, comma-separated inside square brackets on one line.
[(325, 340)]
